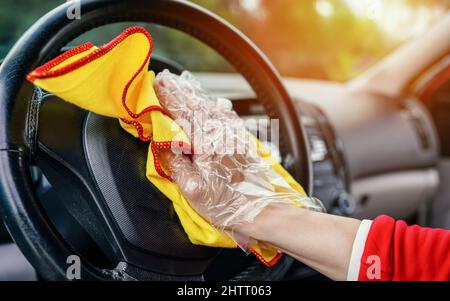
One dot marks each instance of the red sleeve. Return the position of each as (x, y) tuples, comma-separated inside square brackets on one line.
[(396, 251)]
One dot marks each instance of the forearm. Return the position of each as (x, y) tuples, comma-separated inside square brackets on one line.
[(322, 241)]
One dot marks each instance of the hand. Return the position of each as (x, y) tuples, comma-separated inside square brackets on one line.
[(225, 180)]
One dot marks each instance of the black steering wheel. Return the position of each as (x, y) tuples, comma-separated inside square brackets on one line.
[(96, 171)]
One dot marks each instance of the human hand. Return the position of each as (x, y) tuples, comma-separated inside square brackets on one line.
[(225, 180)]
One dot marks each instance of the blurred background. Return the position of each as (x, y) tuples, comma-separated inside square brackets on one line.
[(319, 39)]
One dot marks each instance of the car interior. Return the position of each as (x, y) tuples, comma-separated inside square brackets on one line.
[(73, 182)]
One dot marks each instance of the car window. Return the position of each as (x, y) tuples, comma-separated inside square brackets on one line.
[(319, 39)]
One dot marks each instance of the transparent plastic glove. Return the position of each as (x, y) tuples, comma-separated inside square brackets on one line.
[(225, 180)]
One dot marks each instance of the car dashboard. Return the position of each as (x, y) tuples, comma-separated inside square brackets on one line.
[(371, 155)]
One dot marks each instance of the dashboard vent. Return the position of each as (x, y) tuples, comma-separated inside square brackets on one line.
[(417, 120)]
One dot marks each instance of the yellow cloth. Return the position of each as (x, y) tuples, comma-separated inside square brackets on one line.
[(113, 81)]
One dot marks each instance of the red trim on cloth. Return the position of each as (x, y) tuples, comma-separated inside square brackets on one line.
[(139, 129), (45, 70), (158, 145), (270, 263), (138, 126), (396, 251)]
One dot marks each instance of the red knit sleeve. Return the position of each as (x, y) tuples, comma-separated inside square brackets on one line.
[(396, 251)]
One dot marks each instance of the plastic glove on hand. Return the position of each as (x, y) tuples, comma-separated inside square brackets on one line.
[(227, 182)]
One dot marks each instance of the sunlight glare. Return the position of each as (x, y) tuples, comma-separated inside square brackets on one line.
[(324, 8), (395, 17), (250, 5)]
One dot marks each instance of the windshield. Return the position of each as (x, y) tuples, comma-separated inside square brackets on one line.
[(318, 39)]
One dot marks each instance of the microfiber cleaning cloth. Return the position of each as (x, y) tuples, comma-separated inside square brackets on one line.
[(114, 81)]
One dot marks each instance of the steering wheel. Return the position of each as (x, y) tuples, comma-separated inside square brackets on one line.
[(96, 171)]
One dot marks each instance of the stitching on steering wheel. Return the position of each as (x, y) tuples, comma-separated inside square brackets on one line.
[(32, 121)]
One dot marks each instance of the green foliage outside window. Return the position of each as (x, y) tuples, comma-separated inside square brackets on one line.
[(321, 39)]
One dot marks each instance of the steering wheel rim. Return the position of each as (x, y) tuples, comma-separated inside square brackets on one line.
[(20, 206)]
